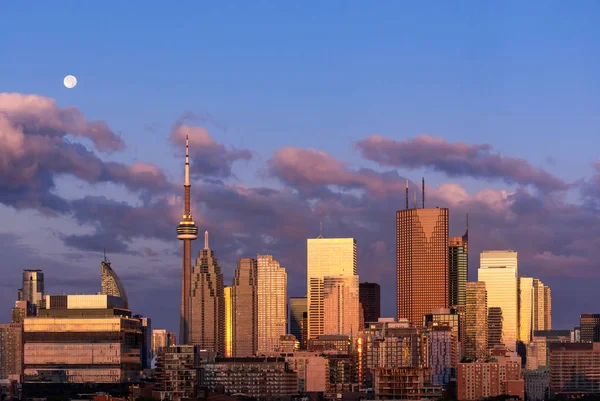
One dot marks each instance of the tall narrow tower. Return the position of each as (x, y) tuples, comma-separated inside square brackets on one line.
[(186, 232)]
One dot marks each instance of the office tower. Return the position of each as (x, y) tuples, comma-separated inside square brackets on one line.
[(207, 302), (341, 310), (178, 372), (527, 305), (304, 329), (421, 262), (328, 257), (11, 350), (272, 303), (494, 327), (111, 283), (81, 339), (370, 299), (548, 308), (574, 369), (458, 267), (498, 269), (32, 289), (171, 338), (159, 341), (245, 307), (297, 308), (476, 321), (542, 306), (589, 324), (228, 322), (146, 349), (186, 232)]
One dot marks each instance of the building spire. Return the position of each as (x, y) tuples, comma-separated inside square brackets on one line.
[(187, 162), (406, 194), (320, 228), (206, 239)]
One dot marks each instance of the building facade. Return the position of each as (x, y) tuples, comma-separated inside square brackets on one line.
[(328, 257), (458, 266), (272, 303), (32, 289), (444, 353), (227, 293), (244, 305), (499, 271), (178, 372), (312, 369), (421, 262), (476, 322), (589, 326), (341, 306), (494, 327), (159, 340), (11, 350), (207, 302), (298, 307), (370, 299), (537, 384), (575, 369), (110, 283)]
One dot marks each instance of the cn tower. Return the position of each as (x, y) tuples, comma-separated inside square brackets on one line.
[(186, 232)]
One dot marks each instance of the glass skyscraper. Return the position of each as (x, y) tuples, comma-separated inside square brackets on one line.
[(421, 262), (228, 322), (245, 309), (111, 283), (476, 321), (498, 269), (334, 258), (272, 303), (458, 265), (32, 290), (370, 299), (297, 309)]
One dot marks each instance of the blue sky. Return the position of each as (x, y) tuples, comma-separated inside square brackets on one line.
[(520, 76)]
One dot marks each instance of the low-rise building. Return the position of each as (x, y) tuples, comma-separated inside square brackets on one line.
[(312, 369), (537, 383)]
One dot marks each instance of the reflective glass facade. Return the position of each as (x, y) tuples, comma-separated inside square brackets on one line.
[(458, 265), (297, 309), (421, 262), (476, 322), (327, 257), (370, 299), (228, 322), (272, 303), (341, 306)]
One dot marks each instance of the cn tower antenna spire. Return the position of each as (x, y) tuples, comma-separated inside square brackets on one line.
[(187, 162)]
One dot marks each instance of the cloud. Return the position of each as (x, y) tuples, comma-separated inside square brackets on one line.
[(209, 158), (457, 159)]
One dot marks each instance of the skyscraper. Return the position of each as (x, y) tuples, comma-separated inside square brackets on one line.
[(186, 232), (297, 308), (494, 327), (589, 324), (498, 269), (159, 340), (111, 283), (533, 311), (476, 321), (245, 309), (32, 290), (341, 306), (11, 349), (327, 257), (272, 303), (542, 319), (207, 302), (458, 266), (228, 322), (370, 299), (421, 262)]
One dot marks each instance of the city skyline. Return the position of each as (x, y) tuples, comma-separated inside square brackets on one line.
[(309, 128)]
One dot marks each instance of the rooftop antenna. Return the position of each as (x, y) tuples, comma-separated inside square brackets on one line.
[(206, 239), (423, 184), (406, 194)]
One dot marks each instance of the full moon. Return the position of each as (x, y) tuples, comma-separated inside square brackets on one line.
[(70, 81)]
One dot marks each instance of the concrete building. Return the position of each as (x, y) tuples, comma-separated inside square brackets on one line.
[(537, 349), (476, 322), (338, 343), (421, 262), (178, 372), (335, 259), (370, 299), (312, 369), (537, 384), (272, 303), (207, 302), (251, 377), (298, 307), (244, 307), (11, 350), (499, 271), (575, 369)]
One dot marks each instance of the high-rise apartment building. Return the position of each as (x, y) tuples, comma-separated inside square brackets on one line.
[(207, 302), (245, 309), (32, 289), (159, 340), (186, 232), (146, 348), (11, 350), (494, 327), (110, 283), (498, 269), (370, 299), (341, 309), (476, 322), (589, 324), (272, 303), (444, 354), (458, 267), (178, 372), (421, 262), (297, 308), (228, 322), (328, 257)]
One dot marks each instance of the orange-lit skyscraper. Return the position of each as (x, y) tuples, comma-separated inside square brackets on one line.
[(244, 304), (186, 232), (421, 262)]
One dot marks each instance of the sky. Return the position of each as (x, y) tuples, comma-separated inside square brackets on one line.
[(296, 112)]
